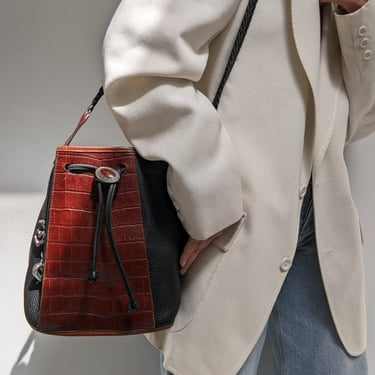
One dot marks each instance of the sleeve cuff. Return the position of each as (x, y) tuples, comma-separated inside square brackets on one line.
[(210, 212), (356, 34)]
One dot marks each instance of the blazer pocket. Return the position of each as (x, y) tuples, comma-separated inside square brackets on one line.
[(230, 234), (196, 284), (197, 281)]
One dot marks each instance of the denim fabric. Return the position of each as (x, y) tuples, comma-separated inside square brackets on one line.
[(302, 333)]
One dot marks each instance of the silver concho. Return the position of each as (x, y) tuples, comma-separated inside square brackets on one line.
[(107, 175)]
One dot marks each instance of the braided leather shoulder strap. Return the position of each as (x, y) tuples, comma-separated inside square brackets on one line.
[(242, 31)]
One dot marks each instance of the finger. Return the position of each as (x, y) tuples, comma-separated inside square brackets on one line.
[(189, 262), (214, 236), (194, 248), (202, 245), (190, 246), (192, 251)]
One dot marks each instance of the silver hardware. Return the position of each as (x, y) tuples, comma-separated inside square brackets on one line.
[(40, 233), (38, 269), (107, 175)]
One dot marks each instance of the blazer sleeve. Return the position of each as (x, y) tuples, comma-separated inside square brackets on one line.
[(357, 40), (154, 52)]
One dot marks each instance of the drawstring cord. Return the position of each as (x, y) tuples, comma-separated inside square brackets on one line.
[(94, 273), (105, 176)]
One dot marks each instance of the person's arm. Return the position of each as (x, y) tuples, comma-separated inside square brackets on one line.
[(356, 31), (154, 52)]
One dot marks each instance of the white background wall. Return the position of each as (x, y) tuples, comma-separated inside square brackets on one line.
[(50, 67)]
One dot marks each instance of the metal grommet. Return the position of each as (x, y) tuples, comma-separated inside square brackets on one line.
[(107, 175)]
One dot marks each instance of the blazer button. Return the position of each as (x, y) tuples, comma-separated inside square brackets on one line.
[(364, 42), (362, 30), (367, 55), (285, 265)]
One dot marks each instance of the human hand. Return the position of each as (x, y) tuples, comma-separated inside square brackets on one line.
[(348, 5), (192, 249)]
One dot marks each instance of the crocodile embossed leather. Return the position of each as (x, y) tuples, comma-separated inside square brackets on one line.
[(133, 256)]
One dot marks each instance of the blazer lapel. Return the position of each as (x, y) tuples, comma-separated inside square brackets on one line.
[(318, 51), (306, 33), (330, 84)]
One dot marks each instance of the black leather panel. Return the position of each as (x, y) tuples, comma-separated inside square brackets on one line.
[(32, 288), (165, 238)]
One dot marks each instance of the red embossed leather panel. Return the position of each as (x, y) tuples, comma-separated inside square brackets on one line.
[(69, 303)]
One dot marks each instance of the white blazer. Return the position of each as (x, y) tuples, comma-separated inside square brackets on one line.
[(243, 167)]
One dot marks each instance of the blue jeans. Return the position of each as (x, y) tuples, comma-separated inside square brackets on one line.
[(302, 333)]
